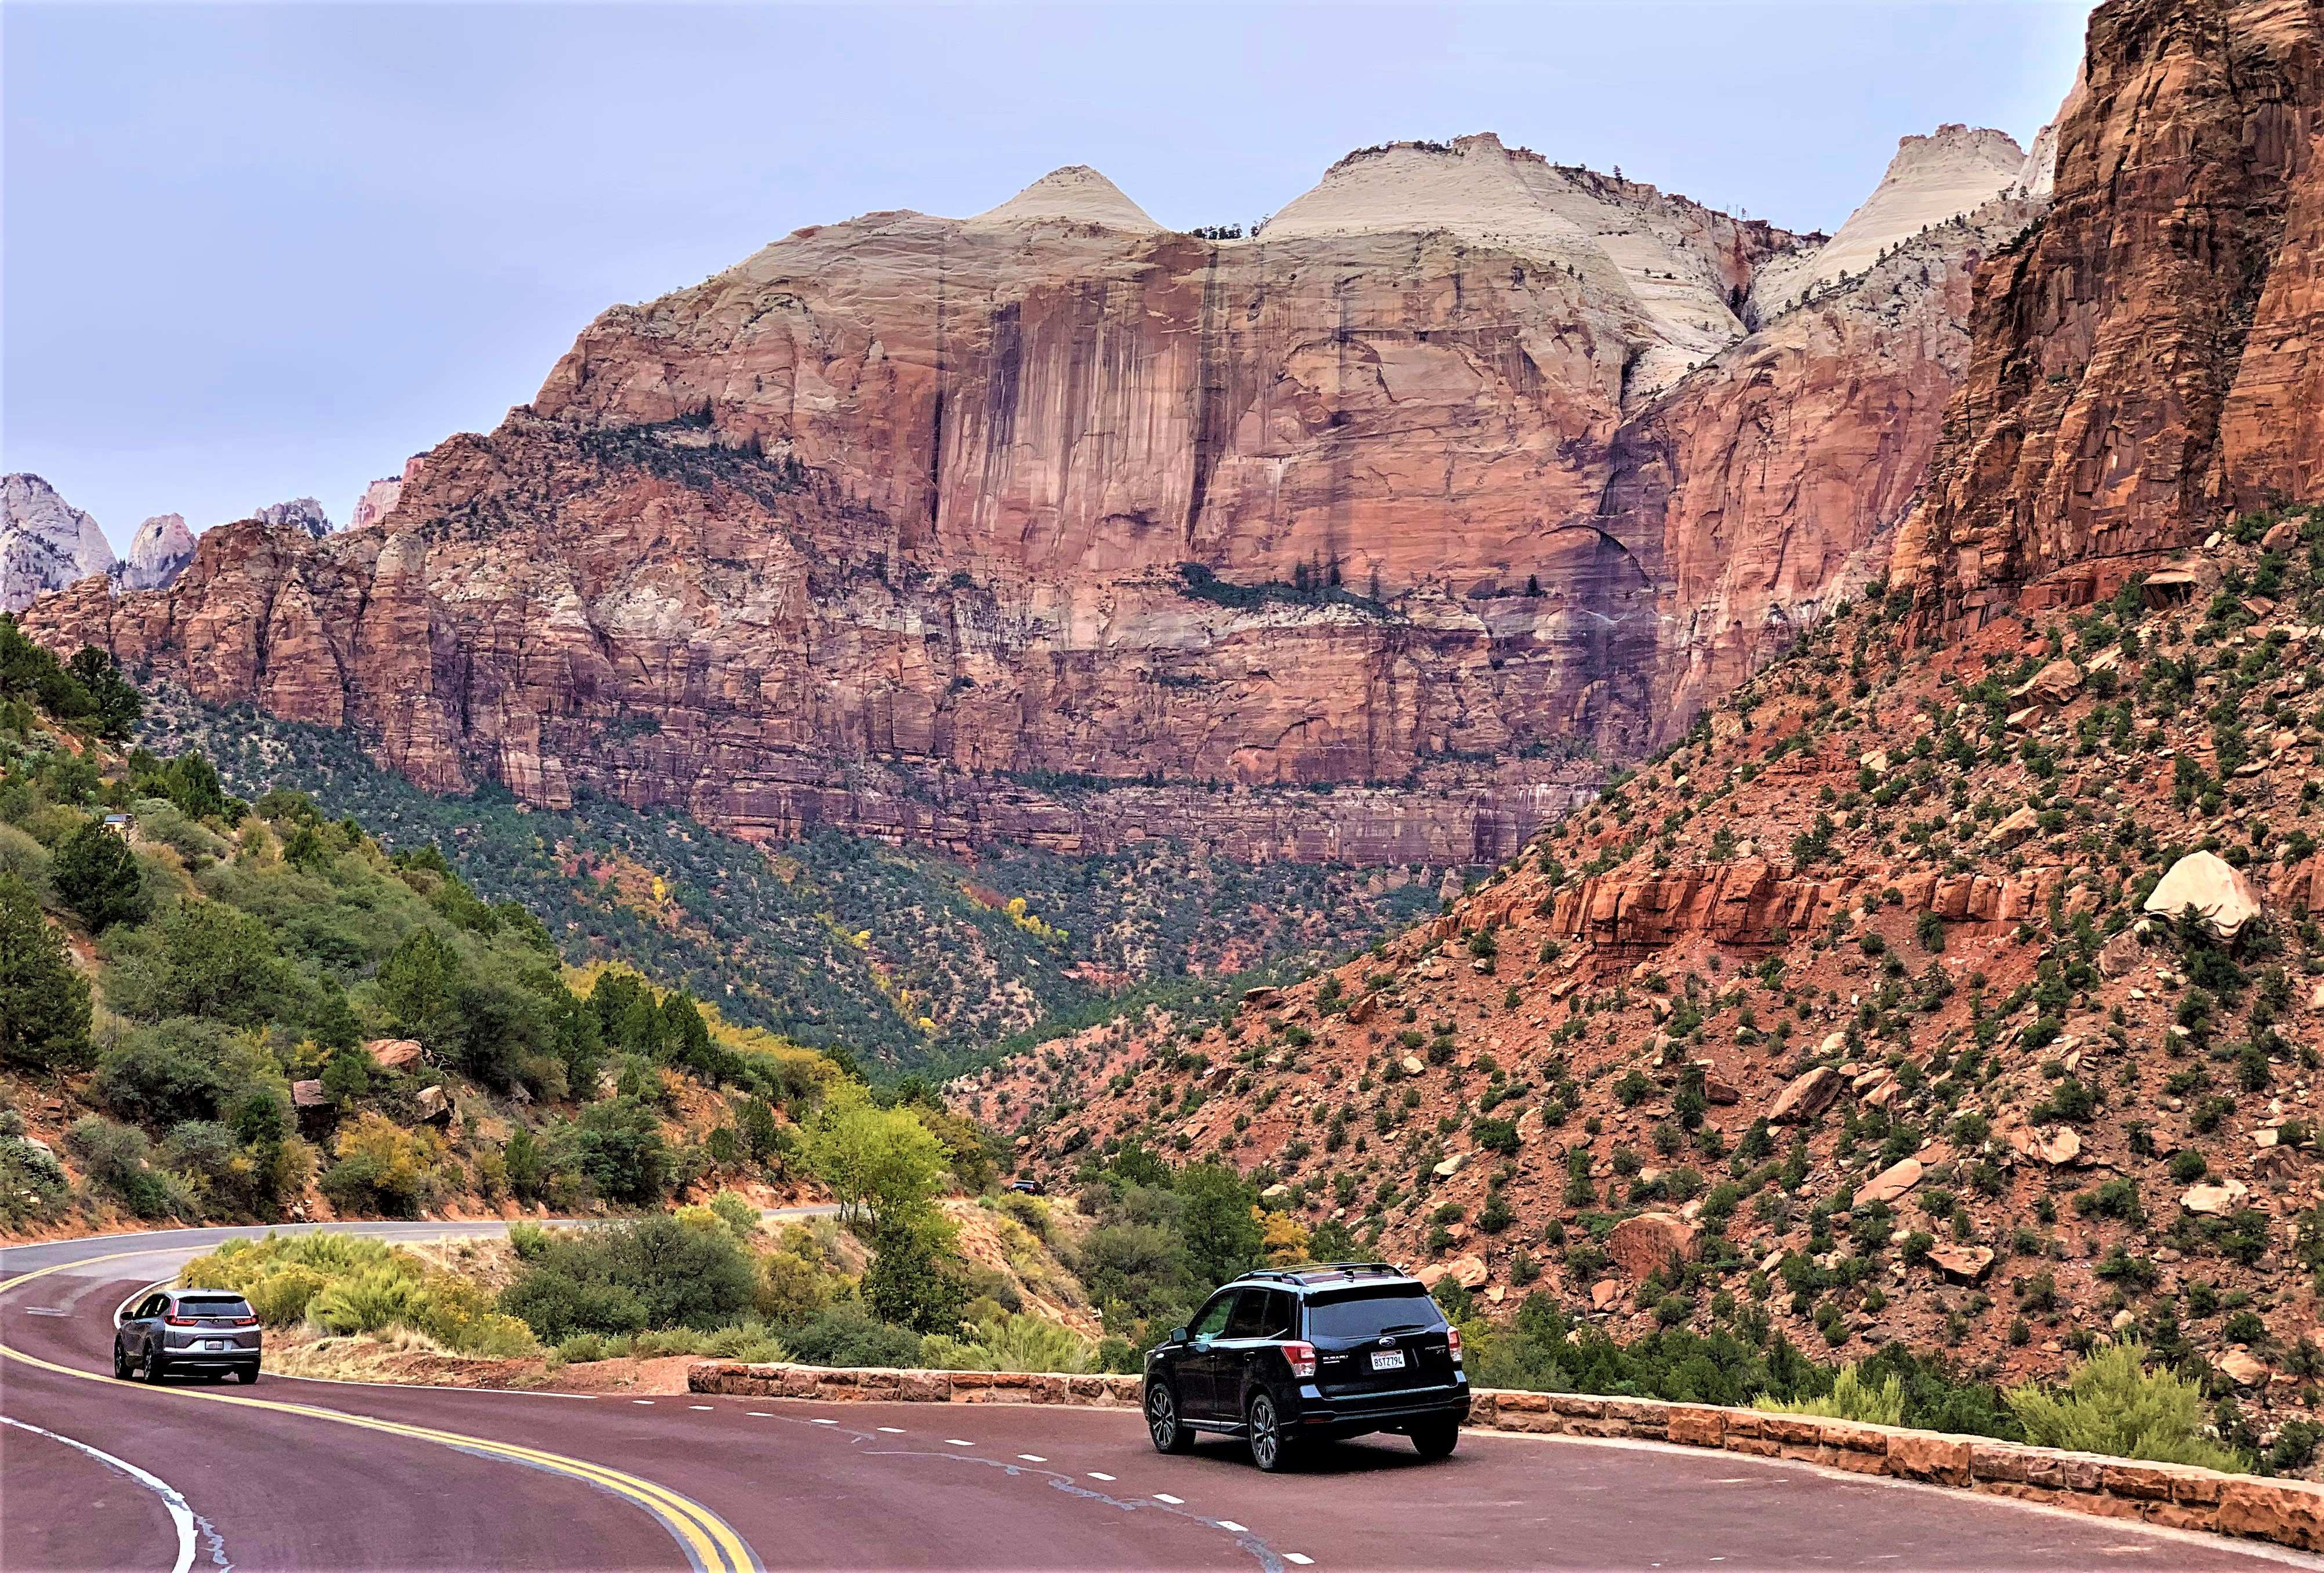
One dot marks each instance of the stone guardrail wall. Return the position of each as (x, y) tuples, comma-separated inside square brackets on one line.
[(2289, 1512)]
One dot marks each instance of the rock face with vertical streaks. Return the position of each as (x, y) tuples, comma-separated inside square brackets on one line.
[(2150, 358), (1461, 479)]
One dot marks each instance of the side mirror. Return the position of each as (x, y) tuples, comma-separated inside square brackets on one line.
[(1177, 1335)]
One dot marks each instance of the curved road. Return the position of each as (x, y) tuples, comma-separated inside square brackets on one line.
[(96, 1473)]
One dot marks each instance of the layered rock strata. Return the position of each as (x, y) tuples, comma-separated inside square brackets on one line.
[(1459, 479)]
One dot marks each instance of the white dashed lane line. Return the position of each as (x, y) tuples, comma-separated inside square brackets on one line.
[(698, 1406), (957, 1442), (893, 1431), (1310, 1561), (1173, 1501), (820, 1420), (1096, 1476), (646, 1402), (1231, 1527), (760, 1414), (1032, 1457)]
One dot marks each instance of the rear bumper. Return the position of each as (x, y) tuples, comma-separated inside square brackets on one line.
[(209, 1360), (1320, 1417)]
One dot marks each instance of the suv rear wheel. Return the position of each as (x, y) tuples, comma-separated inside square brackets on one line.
[(1269, 1449), (121, 1367), (152, 1368), (1437, 1438), (1162, 1422)]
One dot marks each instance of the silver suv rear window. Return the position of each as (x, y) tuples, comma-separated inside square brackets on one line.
[(237, 1306), (1366, 1313)]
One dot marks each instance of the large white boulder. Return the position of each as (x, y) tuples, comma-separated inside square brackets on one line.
[(2212, 887)]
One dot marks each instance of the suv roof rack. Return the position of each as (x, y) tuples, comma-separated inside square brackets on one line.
[(1311, 1272)]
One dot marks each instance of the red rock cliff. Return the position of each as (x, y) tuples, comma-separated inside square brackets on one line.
[(2150, 356), (1462, 478)]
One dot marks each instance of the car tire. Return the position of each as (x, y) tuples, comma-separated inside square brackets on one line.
[(154, 1368), (121, 1367), (1270, 1449), (246, 1375), (1163, 1421), (1437, 1438)]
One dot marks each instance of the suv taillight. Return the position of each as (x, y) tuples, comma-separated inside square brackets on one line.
[(1302, 1356), (1453, 1342), (182, 1321), (245, 1321)]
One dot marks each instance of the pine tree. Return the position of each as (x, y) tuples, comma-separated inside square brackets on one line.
[(43, 1002), (97, 875)]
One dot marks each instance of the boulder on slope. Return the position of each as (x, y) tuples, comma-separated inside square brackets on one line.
[(2213, 887)]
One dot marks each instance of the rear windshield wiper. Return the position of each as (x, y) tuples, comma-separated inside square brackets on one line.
[(1407, 1327)]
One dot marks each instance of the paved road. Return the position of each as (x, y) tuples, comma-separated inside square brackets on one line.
[(316, 1474)]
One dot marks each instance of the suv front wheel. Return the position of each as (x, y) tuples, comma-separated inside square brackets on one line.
[(1269, 1449), (1162, 1422)]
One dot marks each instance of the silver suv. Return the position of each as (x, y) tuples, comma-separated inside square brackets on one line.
[(210, 1332)]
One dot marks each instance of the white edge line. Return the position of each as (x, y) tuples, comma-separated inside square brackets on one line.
[(181, 1515)]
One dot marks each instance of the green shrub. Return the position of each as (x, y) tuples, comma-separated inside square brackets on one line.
[(115, 1157), (32, 1184), (846, 1334), (653, 1273), (2112, 1404), (1005, 1342), (367, 1301), (1852, 1397), (178, 1069)]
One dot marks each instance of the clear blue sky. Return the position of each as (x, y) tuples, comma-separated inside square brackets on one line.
[(258, 252)]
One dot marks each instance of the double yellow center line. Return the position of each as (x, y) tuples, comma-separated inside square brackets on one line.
[(710, 1544)]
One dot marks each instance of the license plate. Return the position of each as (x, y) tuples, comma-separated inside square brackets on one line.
[(216, 1345), (1387, 1360)]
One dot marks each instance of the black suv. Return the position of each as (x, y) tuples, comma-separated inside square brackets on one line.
[(1283, 1357), (210, 1331)]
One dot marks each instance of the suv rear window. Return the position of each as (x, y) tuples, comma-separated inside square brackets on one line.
[(1366, 1313), (235, 1306)]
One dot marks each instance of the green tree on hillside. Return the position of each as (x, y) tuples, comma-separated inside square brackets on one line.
[(882, 1165), (113, 703), (43, 1002), (1222, 1229), (221, 963), (420, 985), (97, 875)]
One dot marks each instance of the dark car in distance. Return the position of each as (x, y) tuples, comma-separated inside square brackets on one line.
[(209, 1332), (1285, 1356)]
